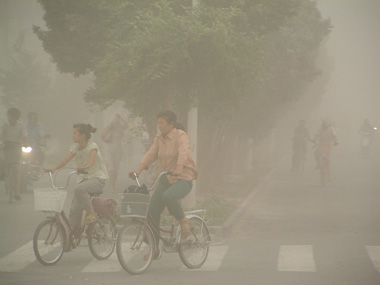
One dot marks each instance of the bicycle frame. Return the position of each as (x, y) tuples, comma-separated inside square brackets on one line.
[(174, 233)]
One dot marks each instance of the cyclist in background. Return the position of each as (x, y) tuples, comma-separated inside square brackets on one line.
[(112, 137), (366, 131), (13, 134), (325, 138)]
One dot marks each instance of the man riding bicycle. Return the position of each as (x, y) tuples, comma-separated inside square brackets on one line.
[(324, 139)]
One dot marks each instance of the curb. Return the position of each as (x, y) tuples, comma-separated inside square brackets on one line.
[(232, 219)]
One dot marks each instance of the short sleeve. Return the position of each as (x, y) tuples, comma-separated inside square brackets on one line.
[(93, 146), (74, 148)]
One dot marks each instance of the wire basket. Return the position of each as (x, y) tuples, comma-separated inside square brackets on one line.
[(134, 205), (49, 199)]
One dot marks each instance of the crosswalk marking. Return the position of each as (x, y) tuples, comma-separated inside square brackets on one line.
[(214, 259), (293, 258), (18, 259), (374, 254), (296, 258), (109, 265)]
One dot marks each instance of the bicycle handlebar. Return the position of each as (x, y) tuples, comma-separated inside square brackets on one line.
[(52, 178), (135, 177)]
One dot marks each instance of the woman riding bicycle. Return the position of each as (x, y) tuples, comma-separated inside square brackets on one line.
[(92, 174), (171, 148)]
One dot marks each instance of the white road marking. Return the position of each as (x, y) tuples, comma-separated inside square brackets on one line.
[(374, 254), (214, 259), (18, 259), (298, 258), (109, 265)]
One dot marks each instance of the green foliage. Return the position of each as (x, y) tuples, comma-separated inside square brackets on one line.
[(25, 83), (240, 61), (217, 210)]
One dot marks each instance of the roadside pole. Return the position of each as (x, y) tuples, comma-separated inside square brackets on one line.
[(192, 131)]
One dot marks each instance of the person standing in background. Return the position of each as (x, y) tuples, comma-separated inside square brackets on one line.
[(13, 134), (112, 137)]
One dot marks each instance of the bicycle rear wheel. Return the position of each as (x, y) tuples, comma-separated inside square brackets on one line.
[(194, 250), (135, 247), (323, 170), (102, 238), (48, 242)]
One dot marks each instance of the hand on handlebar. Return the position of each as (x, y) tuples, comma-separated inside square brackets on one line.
[(48, 170), (133, 174), (81, 170), (173, 173)]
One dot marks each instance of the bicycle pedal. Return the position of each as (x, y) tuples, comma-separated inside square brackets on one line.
[(170, 249)]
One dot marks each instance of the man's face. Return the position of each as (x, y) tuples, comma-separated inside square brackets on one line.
[(164, 126), (11, 119)]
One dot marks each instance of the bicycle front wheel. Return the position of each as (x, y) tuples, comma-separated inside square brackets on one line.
[(48, 242), (102, 238), (194, 250), (135, 246)]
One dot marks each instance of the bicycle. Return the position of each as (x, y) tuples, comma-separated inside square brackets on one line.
[(299, 161), (322, 156), (136, 243), (50, 237)]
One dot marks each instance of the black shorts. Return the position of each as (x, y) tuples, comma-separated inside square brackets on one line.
[(12, 153)]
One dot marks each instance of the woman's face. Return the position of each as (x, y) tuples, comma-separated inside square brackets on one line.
[(77, 136), (164, 126)]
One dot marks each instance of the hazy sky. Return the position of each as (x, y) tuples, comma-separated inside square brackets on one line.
[(354, 46)]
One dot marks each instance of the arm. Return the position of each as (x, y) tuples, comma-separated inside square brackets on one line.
[(106, 131), (124, 124), (91, 161), (24, 137), (62, 163), (183, 152)]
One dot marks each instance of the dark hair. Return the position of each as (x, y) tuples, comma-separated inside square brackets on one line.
[(14, 112), (171, 117), (86, 129)]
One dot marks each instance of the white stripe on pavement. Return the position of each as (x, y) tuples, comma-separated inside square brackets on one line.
[(109, 265), (18, 259), (374, 254), (298, 258), (214, 259)]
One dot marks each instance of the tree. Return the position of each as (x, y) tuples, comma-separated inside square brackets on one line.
[(25, 83), (240, 61)]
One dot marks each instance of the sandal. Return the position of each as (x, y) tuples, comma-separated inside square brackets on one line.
[(90, 219)]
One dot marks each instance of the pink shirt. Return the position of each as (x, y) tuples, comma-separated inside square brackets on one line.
[(172, 150)]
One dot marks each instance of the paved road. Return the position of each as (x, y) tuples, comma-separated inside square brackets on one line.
[(294, 232)]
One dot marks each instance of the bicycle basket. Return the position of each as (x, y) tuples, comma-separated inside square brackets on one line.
[(49, 200), (134, 205)]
